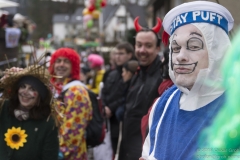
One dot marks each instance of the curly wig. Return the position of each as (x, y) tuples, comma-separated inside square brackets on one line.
[(96, 60), (70, 54)]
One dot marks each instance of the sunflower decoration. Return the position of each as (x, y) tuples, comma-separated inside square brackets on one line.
[(15, 138)]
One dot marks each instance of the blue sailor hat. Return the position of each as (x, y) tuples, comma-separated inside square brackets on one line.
[(198, 12)]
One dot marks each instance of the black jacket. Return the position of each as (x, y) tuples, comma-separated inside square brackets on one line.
[(113, 96), (141, 94)]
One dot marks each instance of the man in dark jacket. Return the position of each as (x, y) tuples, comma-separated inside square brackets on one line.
[(113, 90), (143, 90)]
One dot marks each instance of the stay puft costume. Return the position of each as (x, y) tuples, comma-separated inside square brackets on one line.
[(181, 114)]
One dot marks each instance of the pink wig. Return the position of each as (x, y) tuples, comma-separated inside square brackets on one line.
[(96, 60)]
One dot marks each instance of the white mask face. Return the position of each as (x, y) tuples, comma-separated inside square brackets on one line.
[(28, 96), (189, 55)]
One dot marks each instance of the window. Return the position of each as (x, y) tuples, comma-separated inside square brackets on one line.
[(121, 19)]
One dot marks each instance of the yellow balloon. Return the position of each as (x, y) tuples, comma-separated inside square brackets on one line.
[(85, 11), (95, 14)]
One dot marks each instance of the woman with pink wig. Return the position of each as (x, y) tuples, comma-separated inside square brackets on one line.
[(96, 62)]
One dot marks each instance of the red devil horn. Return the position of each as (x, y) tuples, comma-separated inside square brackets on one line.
[(165, 38), (158, 26), (137, 25)]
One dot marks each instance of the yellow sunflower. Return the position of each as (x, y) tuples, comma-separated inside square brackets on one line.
[(15, 137)]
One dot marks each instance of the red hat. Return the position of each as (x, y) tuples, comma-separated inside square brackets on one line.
[(70, 54)]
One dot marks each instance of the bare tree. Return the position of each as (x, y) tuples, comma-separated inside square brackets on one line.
[(42, 11)]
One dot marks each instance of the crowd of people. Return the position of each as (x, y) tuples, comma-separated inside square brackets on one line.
[(154, 108)]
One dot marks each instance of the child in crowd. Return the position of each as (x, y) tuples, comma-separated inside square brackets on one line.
[(128, 70)]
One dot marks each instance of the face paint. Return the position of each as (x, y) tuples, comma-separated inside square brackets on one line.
[(28, 96), (193, 44), (35, 94), (188, 55), (28, 93), (184, 68)]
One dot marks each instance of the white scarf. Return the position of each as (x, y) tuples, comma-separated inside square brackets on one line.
[(21, 114)]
